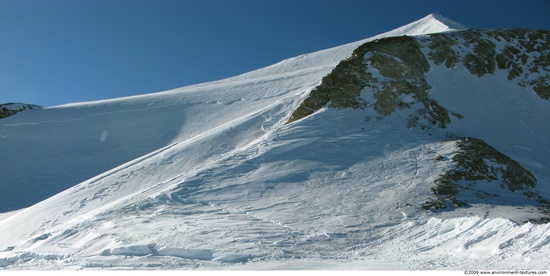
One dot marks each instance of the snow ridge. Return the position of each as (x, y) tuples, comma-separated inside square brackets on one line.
[(162, 181), (447, 22), (432, 23)]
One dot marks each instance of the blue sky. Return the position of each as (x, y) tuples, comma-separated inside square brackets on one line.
[(60, 51)]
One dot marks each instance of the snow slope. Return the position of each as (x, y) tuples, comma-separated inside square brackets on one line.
[(210, 176), (119, 130)]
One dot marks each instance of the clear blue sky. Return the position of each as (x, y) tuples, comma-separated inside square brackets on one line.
[(61, 51)]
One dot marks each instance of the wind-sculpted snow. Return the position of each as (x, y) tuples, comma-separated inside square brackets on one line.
[(389, 79), (65, 145), (212, 177), (299, 194)]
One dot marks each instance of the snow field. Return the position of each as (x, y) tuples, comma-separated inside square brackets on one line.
[(176, 185)]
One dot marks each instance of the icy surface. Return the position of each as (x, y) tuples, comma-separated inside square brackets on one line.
[(208, 176)]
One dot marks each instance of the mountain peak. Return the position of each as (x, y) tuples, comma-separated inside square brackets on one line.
[(432, 23), (426, 146), (434, 17)]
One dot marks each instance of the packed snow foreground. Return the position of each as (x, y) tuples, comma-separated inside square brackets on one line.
[(242, 174)]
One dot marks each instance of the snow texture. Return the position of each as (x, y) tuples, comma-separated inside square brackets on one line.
[(209, 177)]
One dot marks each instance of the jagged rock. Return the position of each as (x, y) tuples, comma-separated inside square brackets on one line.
[(483, 51), (10, 109), (483, 174), (401, 64), (389, 74)]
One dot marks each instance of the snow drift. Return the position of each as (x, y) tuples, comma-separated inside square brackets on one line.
[(213, 176)]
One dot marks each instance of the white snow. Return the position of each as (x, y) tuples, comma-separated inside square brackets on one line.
[(209, 177), (511, 118)]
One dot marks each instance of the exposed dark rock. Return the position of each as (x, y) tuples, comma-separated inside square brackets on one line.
[(402, 66), (512, 50), (388, 74), (484, 175), (379, 74), (442, 51), (10, 109)]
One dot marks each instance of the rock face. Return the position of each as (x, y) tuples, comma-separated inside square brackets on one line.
[(388, 75), (484, 175), (524, 54), (10, 109), (393, 70)]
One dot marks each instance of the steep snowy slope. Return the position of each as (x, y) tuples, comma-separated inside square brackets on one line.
[(65, 145), (212, 175), (489, 84)]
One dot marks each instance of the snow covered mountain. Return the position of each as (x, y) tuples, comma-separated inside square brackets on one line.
[(425, 147)]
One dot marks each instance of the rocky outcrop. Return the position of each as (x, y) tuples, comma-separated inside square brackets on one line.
[(10, 109), (484, 175), (393, 71), (523, 54), (388, 74)]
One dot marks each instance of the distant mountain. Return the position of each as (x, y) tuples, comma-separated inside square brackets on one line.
[(10, 109), (425, 147)]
